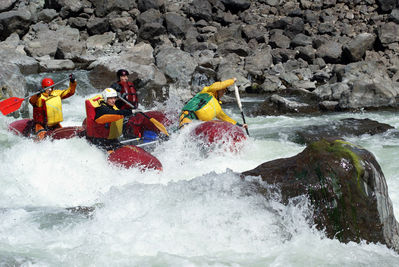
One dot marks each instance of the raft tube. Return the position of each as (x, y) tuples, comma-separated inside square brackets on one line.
[(24, 127), (218, 132), (133, 156)]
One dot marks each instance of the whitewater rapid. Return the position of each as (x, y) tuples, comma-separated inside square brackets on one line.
[(197, 212)]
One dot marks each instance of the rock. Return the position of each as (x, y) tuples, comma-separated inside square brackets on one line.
[(301, 40), (138, 60), (49, 65), (387, 5), (42, 41), (370, 86), (236, 5), (258, 62), (14, 21), (328, 105), (178, 71), (103, 8), (12, 52), (69, 49), (255, 31), (47, 15), (342, 128), (200, 9), (151, 30), (100, 41), (345, 186), (150, 16), (12, 83), (176, 24), (278, 39), (330, 51), (144, 5), (5, 5), (356, 49), (96, 26), (388, 33)]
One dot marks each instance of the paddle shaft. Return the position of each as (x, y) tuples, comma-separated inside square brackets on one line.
[(45, 88), (14, 103), (240, 106)]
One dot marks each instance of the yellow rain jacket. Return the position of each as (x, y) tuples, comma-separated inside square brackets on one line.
[(47, 109), (205, 106)]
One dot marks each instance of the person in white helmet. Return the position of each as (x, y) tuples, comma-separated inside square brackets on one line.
[(104, 120)]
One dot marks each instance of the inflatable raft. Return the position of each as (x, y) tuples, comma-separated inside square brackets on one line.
[(218, 133), (127, 156), (25, 127)]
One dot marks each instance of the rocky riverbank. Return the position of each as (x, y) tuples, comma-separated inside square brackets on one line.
[(302, 56)]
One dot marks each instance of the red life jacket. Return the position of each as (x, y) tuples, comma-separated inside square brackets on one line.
[(129, 93), (40, 114)]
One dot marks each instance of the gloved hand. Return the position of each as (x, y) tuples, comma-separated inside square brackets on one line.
[(126, 112), (71, 78)]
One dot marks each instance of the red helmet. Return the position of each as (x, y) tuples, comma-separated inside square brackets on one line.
[(47, 82)]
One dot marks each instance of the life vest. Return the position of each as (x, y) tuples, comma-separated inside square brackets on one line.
[(50, 113), (128, 92), (110, 130), (204, 106)]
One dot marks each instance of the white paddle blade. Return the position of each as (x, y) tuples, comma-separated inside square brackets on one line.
[(237, 97)]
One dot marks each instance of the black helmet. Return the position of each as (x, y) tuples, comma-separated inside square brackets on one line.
[(122, 72)]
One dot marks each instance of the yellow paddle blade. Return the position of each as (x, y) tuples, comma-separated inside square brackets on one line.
[(159, 126)]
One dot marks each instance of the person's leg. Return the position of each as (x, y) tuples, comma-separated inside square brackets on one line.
[(40, 132)]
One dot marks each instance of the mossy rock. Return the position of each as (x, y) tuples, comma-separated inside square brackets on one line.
[(345, 185)]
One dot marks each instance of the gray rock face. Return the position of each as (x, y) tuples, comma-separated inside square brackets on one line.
[(12, 51), (176, 64), (369, 84), (345, 185), (17, 21), (388, 33), (5, 5), (310, 39), (357, 48)]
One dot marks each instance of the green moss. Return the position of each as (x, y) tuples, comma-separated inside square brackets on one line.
[(338, 211), (341, 149)]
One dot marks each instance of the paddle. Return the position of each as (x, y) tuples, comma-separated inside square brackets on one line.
[(240, 106), (14, 103), (157, 124)]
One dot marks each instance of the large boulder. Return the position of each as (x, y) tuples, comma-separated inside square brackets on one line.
[(341, 128), (139, 61), (12, 83), (345, 185), (43, 40), (17, 21), (12, 51), (180, 70), (369, 86)]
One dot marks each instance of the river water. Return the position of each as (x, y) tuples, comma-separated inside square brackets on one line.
[(196, 212)]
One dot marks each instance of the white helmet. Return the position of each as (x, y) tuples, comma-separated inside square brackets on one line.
[(109, 92)]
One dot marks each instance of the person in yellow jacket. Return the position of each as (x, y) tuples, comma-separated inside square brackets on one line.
[(47, 106), (205, 105)]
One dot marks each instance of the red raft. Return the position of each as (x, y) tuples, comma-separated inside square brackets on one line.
[(219, 133), (133, 156), (24, 127), (126, 156)]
